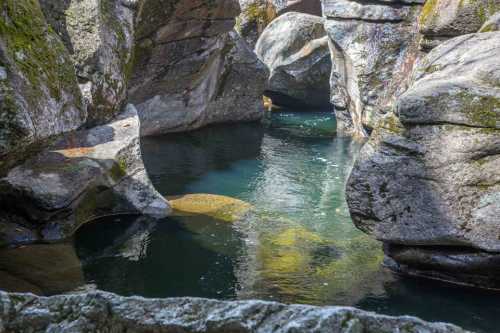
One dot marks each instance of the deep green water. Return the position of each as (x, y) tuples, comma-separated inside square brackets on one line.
[(298, 244)]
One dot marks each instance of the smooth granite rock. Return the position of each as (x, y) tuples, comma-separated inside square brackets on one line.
[(374, 47), (295, 49), (104, 312), (191, 70), (78, 178), (429, 175), (39, 95)]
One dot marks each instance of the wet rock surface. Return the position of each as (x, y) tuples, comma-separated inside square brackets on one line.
[(101, 311)]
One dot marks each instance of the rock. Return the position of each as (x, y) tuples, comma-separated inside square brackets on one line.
[(493, 24), (254, 17), (444, 19), (99, 35), (80, 177), (295, 49), (39, 95), (374, 48), (312, 7), (429, 177), (191, 70), (101, 311)]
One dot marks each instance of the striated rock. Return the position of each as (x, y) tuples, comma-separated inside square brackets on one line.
[(39, 95), (295, 49), (429, 177), (191, 70), (374, 47), (80, 177), (99, 35), (107, 312), (444, 19), (493, 24)]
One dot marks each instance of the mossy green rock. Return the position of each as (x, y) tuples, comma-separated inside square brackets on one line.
[(39, 94)]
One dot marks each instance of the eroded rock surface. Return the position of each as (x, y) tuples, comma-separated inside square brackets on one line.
[(295, 49), (107, 312), (191, 69), (80, 177), (39, 95), (428, 177), (374, 47)]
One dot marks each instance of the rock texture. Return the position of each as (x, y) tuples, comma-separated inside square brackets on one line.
[(80, 177), (103, 312), (99, 36), (295, 49), (493, 24), (445, 19), (374, 47), (191, 70), (39, 95), (429, 176)]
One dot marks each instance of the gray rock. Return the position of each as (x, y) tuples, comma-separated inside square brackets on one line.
[(374, 48), (295, 49), (254, 17), (104, 312), (80, 177), (39, 95), (445, 19), (493, 24), (191, 70), (99, 35), (430, 177)]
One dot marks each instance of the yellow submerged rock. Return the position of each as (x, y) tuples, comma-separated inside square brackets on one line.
[(217, 206)]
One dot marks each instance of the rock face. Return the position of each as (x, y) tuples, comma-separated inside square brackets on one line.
[(191, 70), (428, 178), (374, 48), (105, 312), (295, 49), (99, 36), (39, 95), (80, 177), (445, 19)]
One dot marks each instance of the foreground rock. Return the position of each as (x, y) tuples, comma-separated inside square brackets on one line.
[(429, 179), (99, 36), (374, 48), (445, 19), (191, 69), (80, 177), (107, 312), (295, 49), (39, 94)]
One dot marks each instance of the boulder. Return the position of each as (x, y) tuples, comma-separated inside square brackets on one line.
[(191, 70), (106, 312), (39, 95), (99, 34), (444, 19), (493, 24), (374, 47), (428, 176), (295, 49), (78, 178), (254, 17)]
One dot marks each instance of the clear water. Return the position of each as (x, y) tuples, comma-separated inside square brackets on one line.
[(298, 245)]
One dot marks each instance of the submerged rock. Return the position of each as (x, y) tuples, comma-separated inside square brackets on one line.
[(78, 178), (295, 49), (191, 69), (99, 34), (39, 95), (428, 177), (107, 312), (374, 47)]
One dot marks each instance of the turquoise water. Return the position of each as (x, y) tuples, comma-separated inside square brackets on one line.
[(296, 244)]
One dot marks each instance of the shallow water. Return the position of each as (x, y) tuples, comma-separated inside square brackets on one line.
[(297, 244)]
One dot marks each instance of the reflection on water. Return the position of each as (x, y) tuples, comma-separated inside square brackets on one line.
[(295, 242)]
